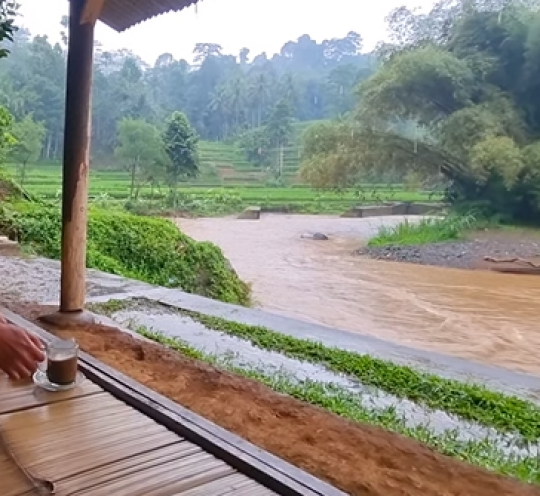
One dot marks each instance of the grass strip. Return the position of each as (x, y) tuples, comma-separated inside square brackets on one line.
[(469, 401), (426, 231), (483, 453)]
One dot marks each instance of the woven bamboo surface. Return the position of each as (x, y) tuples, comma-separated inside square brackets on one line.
[(87, 442)]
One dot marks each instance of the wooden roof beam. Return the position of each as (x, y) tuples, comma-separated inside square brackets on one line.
[(92, 11)]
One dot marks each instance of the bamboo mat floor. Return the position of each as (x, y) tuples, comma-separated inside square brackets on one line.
[(89, 443)]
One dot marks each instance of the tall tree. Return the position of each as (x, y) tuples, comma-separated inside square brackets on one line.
[(202, 51), (141, 149), (279, 130), (181, 145), (28, 142), (6, 138)]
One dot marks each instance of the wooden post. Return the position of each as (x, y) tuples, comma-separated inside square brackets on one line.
[(76, 163)]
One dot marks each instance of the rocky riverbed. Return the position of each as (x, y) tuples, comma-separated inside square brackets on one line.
[(465, 254)]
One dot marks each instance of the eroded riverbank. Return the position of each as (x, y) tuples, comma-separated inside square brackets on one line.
[(482, 316), (468, 253)]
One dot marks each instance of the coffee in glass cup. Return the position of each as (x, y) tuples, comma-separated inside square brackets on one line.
[(61, 362)]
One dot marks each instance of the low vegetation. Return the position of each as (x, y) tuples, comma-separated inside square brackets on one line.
[(425, 231), (468, 401), (148, 249), (349, 405)]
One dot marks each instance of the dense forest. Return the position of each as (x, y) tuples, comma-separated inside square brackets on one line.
[(222, 95), (467, 74)]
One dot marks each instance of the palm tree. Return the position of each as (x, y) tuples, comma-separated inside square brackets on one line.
[(259, 94), (289, 90), (219, 104), (236, 96)]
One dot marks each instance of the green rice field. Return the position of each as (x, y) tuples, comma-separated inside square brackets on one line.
[(45, 180), (224, 171)]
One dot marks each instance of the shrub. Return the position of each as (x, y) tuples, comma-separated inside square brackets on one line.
[(427, 230), (149, 249)]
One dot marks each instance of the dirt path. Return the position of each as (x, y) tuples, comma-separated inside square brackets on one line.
[(359, 459)]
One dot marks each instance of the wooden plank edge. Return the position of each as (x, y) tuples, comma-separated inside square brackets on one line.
[(258, 464)]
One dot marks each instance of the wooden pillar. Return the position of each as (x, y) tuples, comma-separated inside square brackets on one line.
[(76, 160)]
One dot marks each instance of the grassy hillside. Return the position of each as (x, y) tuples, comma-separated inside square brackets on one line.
[(226, 162), (222, 164)]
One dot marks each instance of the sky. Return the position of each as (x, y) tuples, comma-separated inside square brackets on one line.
[(256, 24)]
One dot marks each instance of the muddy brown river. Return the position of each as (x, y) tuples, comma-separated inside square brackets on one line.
[(483, 316)]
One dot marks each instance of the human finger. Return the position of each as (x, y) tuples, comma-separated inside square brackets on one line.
[(36, 340), (32, 350), (12, 373), (27, 360), (7, 370), (24, 371), (36, 353), (17, 371)]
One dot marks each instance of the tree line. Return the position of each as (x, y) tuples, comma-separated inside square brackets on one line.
[(455, 97), (223, 96)]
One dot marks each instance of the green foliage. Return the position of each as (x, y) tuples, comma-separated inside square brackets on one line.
[(110, 189), (6, 137), (256, 145), (221, 95), (181, 145), (279, 126), (425, 85), (497, 156), (330, 158), (277, 133), (141, 149), (149, 249), (427, 230), (8, 12), (211, 203)]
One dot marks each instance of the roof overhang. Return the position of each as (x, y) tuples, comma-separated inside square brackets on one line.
[(123, 14)]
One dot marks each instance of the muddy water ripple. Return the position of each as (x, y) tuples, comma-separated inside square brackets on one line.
[(483, 316)]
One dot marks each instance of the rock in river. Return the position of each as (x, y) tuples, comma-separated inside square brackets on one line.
[(316, 236)]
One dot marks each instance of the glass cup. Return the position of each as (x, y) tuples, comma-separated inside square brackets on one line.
[(60, 364)]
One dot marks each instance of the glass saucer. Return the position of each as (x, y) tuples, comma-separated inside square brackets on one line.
[(40, 379)]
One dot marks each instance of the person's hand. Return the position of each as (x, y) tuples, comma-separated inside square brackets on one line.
[(20, 351)]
